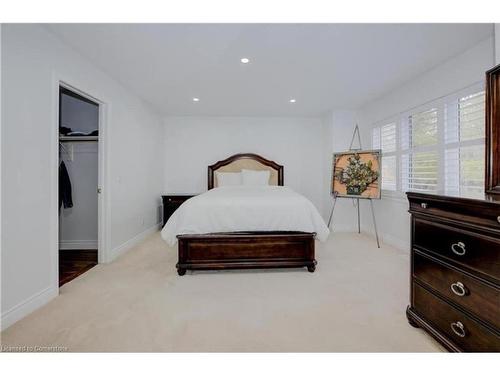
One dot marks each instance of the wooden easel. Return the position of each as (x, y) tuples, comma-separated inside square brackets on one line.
[(356, 200)]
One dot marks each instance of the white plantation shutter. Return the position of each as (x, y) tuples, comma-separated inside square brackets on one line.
[(405, 135), (472, 171), (423, 171), (423, 128), (437, 148), (384, 138), (389, 169), (388, 141), (471, 116), (405, 168), (388, 138), (464, 144), (452, 175), (422, 132)]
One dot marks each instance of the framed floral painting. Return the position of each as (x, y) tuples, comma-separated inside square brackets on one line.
[(357, 174)]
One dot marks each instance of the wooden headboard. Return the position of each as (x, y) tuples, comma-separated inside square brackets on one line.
[(238, 162)]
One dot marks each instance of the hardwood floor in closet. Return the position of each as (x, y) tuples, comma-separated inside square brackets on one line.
[(73, 263)]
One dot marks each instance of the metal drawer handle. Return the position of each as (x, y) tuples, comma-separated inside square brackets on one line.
[(423, 205), (458, 288), (458, 248), (458, 329)]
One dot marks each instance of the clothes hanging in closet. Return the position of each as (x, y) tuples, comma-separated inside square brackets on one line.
[(65, 196)]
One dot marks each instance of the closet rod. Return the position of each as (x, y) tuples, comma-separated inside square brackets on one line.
[(90, 138)]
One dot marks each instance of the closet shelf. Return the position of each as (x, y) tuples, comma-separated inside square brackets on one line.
[(79, 138)]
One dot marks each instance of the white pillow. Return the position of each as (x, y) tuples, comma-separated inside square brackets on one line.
[(228, 178), (255, 178)]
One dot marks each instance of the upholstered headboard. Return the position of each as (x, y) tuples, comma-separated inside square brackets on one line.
[(238, 162)]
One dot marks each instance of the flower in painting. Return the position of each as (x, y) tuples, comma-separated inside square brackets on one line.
[(357, 175)]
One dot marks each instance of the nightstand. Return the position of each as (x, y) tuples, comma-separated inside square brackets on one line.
[(171, 202)]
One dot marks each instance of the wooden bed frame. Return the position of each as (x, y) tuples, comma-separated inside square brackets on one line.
[(243, 250)]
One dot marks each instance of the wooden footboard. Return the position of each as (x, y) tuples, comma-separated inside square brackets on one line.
[(246, 250)]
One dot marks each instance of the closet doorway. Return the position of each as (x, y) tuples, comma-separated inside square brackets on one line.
[(79, 119)]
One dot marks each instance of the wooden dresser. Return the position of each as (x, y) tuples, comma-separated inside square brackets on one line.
[(455, 271)]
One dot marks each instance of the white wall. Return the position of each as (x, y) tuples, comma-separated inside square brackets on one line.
[(1, 177), (453, 75), (32, 58), (78, 224), (497, 43), (193, 143)]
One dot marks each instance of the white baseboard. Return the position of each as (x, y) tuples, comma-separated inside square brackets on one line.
[(26, 307), (396, 242), (123, 248), (39, 299), (78, 244)]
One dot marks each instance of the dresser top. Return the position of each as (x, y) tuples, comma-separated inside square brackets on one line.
[(487, 199), (481, 214)]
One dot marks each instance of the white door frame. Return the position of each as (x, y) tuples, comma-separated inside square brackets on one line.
[(103, 180)]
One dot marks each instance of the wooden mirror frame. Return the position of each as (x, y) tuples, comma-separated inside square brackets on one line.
[(492, 133)]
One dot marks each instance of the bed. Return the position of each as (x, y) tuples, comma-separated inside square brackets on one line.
[(242, 227)]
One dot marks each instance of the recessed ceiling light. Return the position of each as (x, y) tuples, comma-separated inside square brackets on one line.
[(293, 100), (245, 60), (196, 99)]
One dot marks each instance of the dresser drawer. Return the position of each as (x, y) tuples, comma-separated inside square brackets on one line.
[(465, 332), (472, 211), (478, 297), (478, 252)]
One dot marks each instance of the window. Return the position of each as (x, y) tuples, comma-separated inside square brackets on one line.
[(423, 128), (436, 148), (385, 139), (464, 145), (422, 171)]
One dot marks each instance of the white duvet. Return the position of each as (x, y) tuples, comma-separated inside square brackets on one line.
[(245, 208)]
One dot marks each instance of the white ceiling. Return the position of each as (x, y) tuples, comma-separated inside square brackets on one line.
[(323, 66)]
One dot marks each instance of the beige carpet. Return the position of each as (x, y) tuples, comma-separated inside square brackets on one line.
[(355, 301)]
